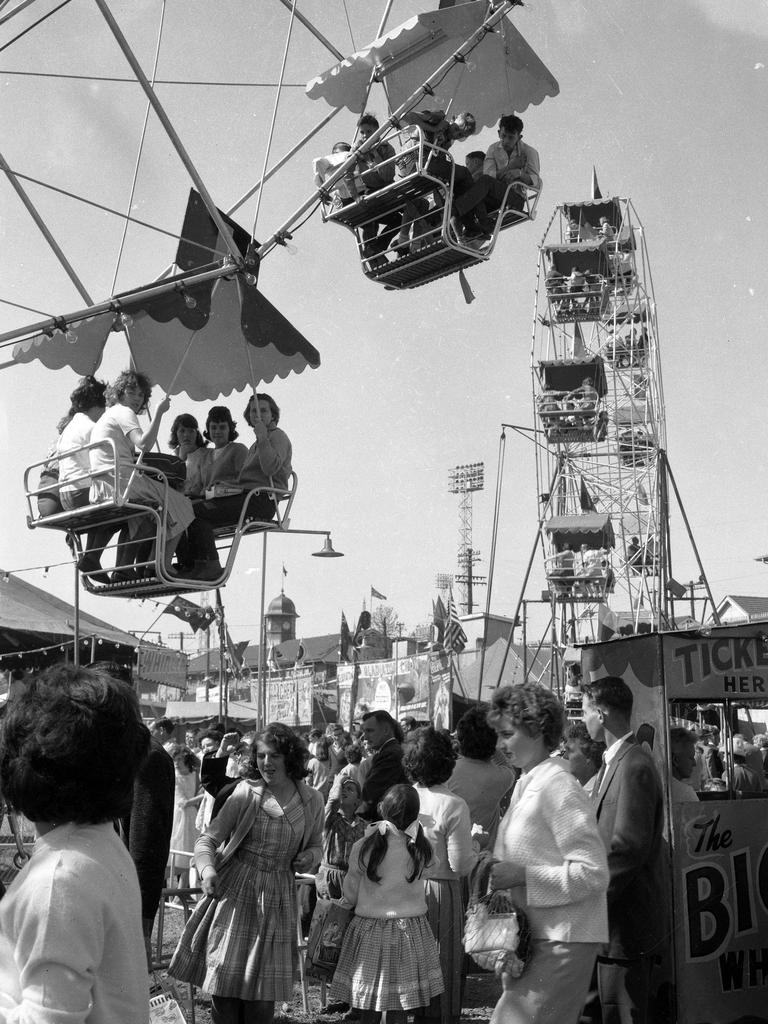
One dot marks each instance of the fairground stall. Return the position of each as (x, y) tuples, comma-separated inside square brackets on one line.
[(716, 967)]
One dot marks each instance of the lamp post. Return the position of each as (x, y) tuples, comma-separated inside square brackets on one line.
[(327, 551)]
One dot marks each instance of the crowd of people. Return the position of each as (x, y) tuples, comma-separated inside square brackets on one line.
[(567, 817), (210, 475)]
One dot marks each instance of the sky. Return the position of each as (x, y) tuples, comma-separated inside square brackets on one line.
[(666, 101)]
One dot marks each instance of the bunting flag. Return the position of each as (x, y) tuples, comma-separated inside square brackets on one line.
[(579, 349), (439, 616), (375, 594), (596, 193), (235, 653), (455, 637), (346, 645), (585, 498), (187, 611)]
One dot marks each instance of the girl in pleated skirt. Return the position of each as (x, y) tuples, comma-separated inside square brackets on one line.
[(389, 959)]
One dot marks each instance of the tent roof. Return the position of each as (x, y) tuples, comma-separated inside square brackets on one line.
[(25, 608), (201, 710)]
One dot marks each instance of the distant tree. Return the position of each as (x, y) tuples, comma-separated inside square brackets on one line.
[(385, 619)]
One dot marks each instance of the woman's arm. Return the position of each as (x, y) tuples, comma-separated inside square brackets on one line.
[(462, 854), (583, 868), (144, 440), (273, 450)]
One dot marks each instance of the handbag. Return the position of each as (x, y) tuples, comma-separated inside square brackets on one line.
[(497, 935), (174, 468), (326, 935)]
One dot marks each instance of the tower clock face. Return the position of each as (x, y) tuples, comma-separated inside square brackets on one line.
[(286, 627)]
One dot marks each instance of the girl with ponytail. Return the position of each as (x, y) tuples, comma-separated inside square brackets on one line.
[(389, 959)]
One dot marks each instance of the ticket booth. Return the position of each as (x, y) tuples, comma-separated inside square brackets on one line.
[(715, 970)]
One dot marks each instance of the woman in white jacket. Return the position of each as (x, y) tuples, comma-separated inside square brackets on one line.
[(550, 856)]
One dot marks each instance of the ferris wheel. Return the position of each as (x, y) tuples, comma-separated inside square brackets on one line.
[(599, 408)]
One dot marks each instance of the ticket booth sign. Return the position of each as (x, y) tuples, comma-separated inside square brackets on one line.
[(721, 912)]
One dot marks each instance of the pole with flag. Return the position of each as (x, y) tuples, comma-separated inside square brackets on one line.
[(455, 639), (377, 595), (596, 193), (346, 646)]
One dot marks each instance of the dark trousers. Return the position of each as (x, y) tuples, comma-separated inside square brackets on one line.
[(619, 993), (228, 1010), (485, 194)]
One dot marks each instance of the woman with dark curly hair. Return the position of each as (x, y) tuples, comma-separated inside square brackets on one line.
[(550, 856), (127, 396), (240, 942), (428, 762), (71, 743), (477, 778)]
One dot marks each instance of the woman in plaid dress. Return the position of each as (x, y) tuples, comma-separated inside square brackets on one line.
[(240, 942), (388, 959)]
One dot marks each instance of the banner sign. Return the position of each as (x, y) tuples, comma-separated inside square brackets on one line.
[(730, 665), (305, 684), (376, 687), (281, 700), (440, 684), (721, 911), (159, 666), (289, 696)]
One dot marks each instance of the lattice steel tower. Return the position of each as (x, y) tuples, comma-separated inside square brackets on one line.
[(465, 480)]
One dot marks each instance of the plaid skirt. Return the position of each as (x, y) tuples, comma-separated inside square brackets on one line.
[(387, 964), (242, 943)]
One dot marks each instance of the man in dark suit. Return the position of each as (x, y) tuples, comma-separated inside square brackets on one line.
[(628, 802), (384, 736)]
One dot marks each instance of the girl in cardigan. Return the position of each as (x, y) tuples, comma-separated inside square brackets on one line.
[(389, 959)]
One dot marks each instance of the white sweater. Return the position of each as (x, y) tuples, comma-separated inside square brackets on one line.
[(550, 827), (73, 919)]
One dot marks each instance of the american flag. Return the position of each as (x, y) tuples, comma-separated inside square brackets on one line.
[(455, 637)]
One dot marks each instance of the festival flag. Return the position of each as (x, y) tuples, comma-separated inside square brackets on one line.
[(585, 498), (193, 614), (596, 193), (438, 618), (235, 652), (579, 349), (346, 646), (363, 623), (375, 594), (455, 637)]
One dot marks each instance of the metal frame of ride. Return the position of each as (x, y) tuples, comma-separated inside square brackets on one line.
[(604, 482)]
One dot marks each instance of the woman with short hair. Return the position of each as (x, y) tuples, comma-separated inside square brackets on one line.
[(71, 743), (551, 858)]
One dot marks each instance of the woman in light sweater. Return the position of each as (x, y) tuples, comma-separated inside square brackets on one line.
[(70, 746), (550, 856), (220, 465), (429, 762)]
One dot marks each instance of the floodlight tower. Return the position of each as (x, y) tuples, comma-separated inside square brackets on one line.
[(465, 480)]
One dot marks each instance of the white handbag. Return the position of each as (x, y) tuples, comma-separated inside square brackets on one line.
[(496, 933)]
